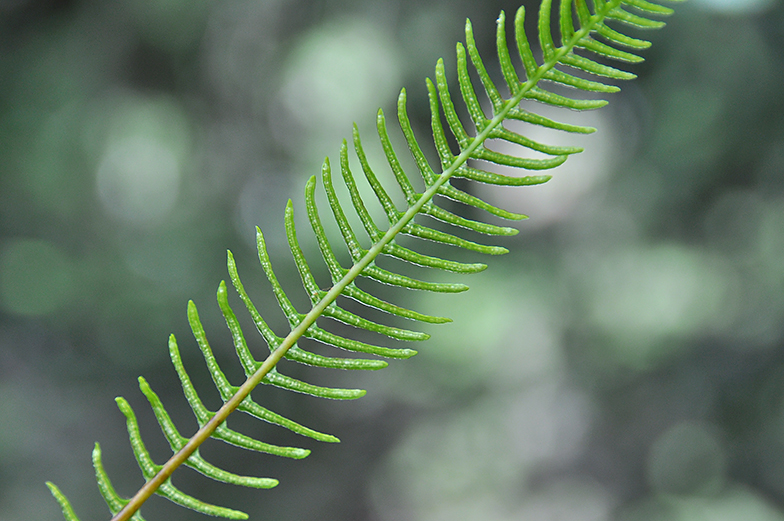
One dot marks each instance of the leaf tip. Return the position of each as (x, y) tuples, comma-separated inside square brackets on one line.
[(408, 353), (477, 267), (65, 506), (440, 320), (300, 453), (512, 216)]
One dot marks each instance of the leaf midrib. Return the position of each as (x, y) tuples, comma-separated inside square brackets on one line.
[(151, 486)]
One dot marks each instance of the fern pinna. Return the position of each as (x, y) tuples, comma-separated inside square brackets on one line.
[(579, 23)]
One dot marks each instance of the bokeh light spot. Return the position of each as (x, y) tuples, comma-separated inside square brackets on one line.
[(687, 459), (571, 182), (738, 7), (337, 74), (648, 298), (138, 180), (141, 148)]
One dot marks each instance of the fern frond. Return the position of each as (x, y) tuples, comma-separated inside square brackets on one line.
[(591, 36)]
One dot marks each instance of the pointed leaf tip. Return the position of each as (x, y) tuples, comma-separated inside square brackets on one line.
[(297, 453), (65, 505)]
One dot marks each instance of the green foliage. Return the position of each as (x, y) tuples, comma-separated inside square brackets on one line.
[(592, 21)]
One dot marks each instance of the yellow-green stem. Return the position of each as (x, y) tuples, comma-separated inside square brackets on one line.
[(271, 361)]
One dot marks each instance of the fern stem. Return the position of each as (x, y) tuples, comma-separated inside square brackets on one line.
[(151, 486)]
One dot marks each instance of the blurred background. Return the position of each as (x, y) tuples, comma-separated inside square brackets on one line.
[(624, 362)]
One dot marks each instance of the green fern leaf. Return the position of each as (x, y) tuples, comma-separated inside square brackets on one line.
[(592, 36)]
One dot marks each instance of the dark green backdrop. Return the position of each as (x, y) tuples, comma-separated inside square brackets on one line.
[(625, 361)]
